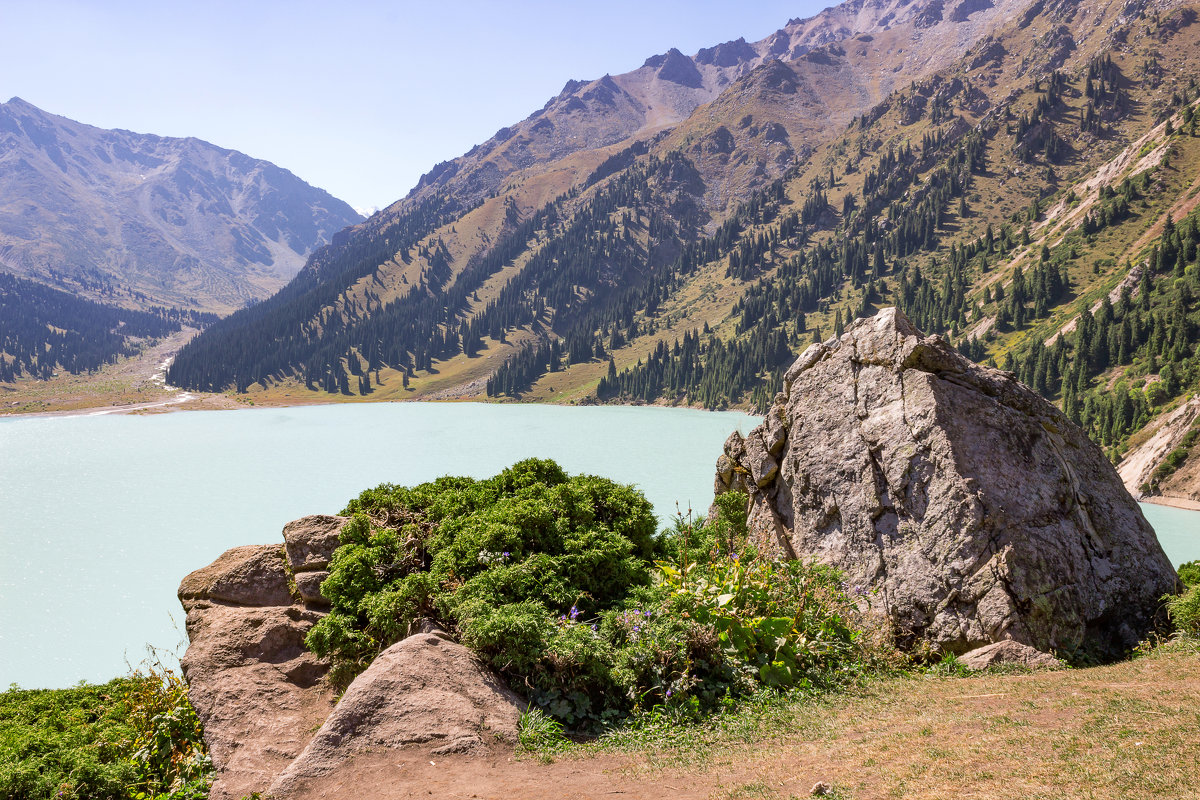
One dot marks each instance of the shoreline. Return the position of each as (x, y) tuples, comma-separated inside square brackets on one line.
[(1182, 503)]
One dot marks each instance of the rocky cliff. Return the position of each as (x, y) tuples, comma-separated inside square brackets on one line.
[(971, 508)]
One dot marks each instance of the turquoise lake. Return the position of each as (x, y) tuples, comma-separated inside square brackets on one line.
[(100, 517)]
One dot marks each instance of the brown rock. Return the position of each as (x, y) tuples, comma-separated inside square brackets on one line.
[(422, 692), (1007, 652), (308, 585), (252, 576), (976, 510), (257, 690), (310, 541)]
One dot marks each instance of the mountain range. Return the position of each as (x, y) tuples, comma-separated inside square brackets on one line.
[(139, 220), (1017, 176)]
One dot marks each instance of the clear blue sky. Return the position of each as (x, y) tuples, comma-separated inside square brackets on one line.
[(359, 98)]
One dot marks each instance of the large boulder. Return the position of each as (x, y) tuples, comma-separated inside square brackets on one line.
[(423, 693), (259, 693), (974, 510)]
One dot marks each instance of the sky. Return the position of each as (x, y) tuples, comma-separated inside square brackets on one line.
[(358, 98)]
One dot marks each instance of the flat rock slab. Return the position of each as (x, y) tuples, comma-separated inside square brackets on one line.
[(260, 694), (423, 694), (253, 576), (310, 541), (256, 689), (1009, 653)]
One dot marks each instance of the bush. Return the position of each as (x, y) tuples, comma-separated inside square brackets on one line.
[(1189, 573), (562, 585), (134, 737), (1184, 611)]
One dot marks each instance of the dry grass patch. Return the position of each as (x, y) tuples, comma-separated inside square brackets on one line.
[(1121, 731)]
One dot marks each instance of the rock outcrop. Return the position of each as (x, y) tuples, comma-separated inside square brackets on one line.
[(974, 510), (257, 690), (424, 690), (269, 715)]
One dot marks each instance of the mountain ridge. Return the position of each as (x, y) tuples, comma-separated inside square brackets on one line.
[(142, 219), (993, 200)]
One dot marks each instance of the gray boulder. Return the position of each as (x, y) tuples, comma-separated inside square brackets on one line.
[(975, 509)]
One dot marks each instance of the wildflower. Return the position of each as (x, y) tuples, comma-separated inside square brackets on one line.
[(668, 692), (574, 612)]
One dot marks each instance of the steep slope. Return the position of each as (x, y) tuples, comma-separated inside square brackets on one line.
[(43, 330), (142, 219), (432, 263), (669, 87), (998, 200)]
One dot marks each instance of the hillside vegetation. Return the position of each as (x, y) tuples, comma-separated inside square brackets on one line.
[(43, 330), (997, 199)]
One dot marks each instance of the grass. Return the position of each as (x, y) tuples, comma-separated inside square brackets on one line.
[(1124, 730)]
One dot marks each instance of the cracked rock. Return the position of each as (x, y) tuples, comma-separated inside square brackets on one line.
[(975, 508)]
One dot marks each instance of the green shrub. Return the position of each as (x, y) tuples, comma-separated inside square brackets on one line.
[(562, 585), (134, 737), (1184, 610), (1189, 573)]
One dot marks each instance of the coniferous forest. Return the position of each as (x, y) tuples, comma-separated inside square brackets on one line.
[(43, 330)]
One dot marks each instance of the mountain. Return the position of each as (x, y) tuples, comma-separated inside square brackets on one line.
[(668, 88), (148, 220), (997, 171)]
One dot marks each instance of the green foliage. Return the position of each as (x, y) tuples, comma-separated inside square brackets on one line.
[(506, 563), (169, 754), (1189, 573), (778, 623), (536, 730), (134, 737), (561, 585), (1184, 611)]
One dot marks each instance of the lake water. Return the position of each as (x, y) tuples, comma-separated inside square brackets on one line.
[(100, 517)]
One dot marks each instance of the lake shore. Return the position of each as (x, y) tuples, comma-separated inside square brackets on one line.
[(1172, 502)]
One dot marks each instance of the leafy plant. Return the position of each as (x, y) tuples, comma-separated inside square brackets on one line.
[(561, 585), (169, 753), (1184, 611), (134, 737), (1189, 573), (536, 730)]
